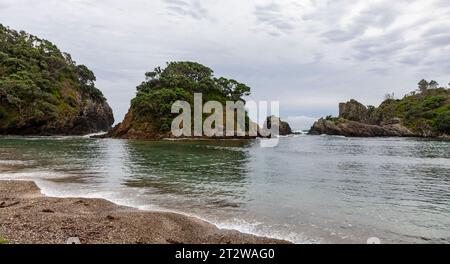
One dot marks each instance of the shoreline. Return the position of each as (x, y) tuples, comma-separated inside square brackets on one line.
[(29, 217)]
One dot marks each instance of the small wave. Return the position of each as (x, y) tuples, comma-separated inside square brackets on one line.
[(94, 134), (15, 162), (333, 136), (131, 197), (237, 149), (38, 138), (31, 175), (260, 229)]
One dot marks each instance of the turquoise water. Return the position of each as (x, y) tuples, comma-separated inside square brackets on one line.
[(308, 189)]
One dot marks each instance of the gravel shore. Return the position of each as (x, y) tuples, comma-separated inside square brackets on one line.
[(27, 216)]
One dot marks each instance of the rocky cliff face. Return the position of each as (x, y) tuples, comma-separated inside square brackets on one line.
[(44, 92), (417, 115), (354, 111), (89, 117), (93, 117), (132, 127)]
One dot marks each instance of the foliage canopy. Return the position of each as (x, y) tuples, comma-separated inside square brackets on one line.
[(179, 81), (38, 82)]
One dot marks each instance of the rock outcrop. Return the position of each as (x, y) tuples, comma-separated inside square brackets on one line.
[(284, 127), (357, 129), (132, 128), (354, 111), (44, 92), (94, 117), (417, 115)]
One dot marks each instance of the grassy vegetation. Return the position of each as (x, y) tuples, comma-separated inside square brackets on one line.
[(3, 241)]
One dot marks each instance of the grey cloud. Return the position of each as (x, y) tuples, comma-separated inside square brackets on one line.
[(379, 50), (379, 71), (410, 59), (4, 5), (190, 8), (341, 35), (271, 15), (440, 40), (428, 49), (382, 48), (120, 40), (380, 16), (437, 65), (441, 3), (436, 30)]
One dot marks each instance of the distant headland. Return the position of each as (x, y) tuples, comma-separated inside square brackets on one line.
[(422, 113)]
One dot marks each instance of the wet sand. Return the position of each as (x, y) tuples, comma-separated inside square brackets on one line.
[(27, 216)]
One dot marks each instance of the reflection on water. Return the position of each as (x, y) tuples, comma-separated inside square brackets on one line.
[(308, 189), (206, 174)]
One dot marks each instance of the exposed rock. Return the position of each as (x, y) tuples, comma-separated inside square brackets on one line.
[(284, 127), (94, 117), (354, 111), (131, 128), (356, 129), (426, 114)]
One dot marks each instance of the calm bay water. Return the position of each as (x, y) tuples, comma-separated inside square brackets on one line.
[(307, 190)]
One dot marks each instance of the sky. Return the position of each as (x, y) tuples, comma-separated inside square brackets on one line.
[(308, 54)]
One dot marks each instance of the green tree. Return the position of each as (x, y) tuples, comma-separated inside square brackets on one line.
[(179, 81), (433, 84), (423, 85)]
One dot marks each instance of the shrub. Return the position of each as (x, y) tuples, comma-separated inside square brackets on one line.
[(443, 122), (434, 101)]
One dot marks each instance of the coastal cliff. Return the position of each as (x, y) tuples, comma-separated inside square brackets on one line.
[(44, 92), (419, 114)]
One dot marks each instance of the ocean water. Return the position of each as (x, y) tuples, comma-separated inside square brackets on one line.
[(309, 189)]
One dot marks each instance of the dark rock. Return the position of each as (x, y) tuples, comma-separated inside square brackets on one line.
[(349, 128), (284, 127), (94, 117), (6, 205), (110, 217), (354, 111)]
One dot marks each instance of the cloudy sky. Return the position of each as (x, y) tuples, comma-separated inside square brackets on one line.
[(308, 54)]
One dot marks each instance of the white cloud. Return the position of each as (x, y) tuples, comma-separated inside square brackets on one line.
[(309, 55)]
